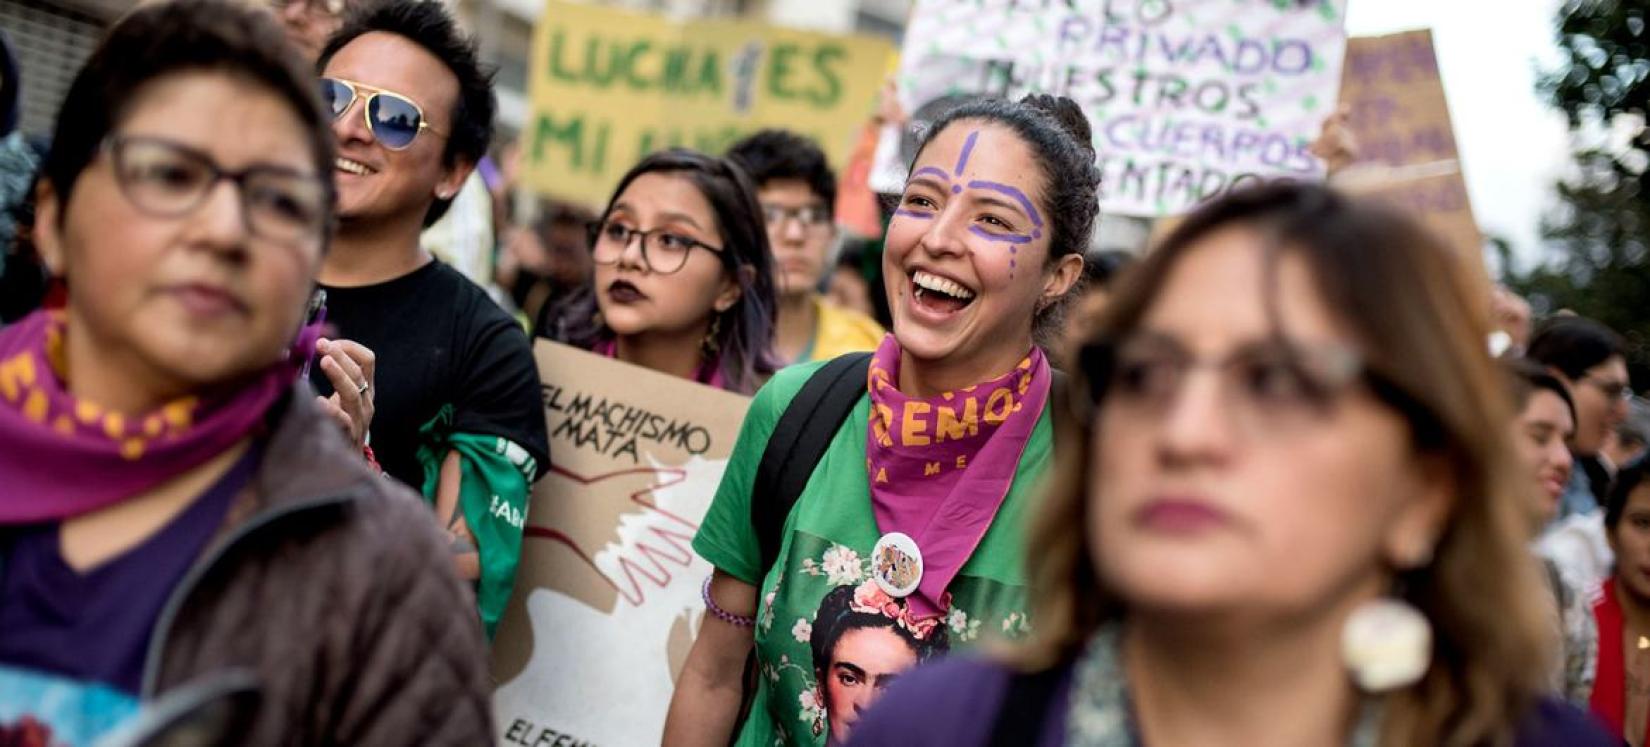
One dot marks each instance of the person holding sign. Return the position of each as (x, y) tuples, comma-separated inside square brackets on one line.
[(798, 194), (1293, 518), (912, 512), (684, 278), (177, 513)]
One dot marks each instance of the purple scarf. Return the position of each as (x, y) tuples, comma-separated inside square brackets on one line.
[(941, 466), (61, 457)]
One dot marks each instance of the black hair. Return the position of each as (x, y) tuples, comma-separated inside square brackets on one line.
[(1573, 345), (1061, 143), (173, 37), (771, 155), (1526, 377), (1629, 479), (428, 24), (745, 336), (837, 616)]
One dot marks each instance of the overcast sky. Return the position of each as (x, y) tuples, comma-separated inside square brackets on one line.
[(1512, 145)]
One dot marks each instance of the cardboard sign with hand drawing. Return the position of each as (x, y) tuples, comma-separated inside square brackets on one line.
[(607, 602)]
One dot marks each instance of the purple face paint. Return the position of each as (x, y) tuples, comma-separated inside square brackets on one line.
[(1013, 194), (1012, 241), (968, 147), (1010, 238), (935, 171)]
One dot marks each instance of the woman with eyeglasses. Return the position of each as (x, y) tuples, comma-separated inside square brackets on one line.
[(1293, 516), (683, 282), (180, 523), (910, 512)]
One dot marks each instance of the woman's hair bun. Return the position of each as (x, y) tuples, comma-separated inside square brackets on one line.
[(1068, 114)]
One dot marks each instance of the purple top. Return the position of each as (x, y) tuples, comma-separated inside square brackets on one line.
[(95, 626), (959, 697)]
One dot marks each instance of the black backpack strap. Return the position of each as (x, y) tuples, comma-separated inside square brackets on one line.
[(798, 441), (1024, 708)]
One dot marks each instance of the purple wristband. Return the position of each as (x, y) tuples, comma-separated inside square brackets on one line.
[(737, 621)]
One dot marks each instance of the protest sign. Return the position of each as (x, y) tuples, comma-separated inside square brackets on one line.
[(1405, 143), (610, 86), (607, 599), (1187, 98)]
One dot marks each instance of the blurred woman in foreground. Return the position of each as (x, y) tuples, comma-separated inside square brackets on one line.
[(1292, 519)]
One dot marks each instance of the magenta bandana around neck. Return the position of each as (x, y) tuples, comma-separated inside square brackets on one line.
[(941, 466), (61, 457)]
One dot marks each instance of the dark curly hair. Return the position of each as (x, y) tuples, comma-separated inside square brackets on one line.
[(1059, 136), (771, 155), (837, 616), (428, 24)]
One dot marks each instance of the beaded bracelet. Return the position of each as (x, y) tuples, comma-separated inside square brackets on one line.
[(738, 621)]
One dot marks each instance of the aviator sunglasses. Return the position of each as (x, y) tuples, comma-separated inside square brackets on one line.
[(393, 119)]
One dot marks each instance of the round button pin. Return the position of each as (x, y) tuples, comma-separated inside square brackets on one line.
[(896, 564)]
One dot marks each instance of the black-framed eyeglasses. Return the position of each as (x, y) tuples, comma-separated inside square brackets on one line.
[(812, 217), (394, 119), (169, 180), (663, 251)]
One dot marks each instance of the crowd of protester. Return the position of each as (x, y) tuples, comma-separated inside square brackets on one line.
[(270, 417)]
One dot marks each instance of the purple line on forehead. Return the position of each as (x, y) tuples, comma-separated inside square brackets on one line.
[(932, 170), (1012, 238), (1016, 194), (968, 147)]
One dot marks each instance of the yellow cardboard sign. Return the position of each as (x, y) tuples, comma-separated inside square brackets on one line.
[(610, 86)]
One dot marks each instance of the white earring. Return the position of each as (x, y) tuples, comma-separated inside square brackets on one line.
[(1386, 644)]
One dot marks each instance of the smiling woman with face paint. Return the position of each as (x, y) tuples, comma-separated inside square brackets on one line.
[(915, 505)]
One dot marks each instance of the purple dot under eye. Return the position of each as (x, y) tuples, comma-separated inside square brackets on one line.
[(956, 190), (1036, 234)]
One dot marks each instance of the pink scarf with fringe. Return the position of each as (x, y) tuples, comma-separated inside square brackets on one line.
[(61, 457)]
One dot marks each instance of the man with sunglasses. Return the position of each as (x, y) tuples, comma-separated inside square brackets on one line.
[(798, 192), (456, 393)]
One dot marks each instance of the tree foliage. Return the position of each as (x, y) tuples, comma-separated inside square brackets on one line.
[(1599, 232)]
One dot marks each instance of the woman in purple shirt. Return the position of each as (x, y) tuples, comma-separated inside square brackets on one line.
[(1291, 519)]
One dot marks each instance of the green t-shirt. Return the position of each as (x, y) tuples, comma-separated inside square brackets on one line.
[(825, 554)]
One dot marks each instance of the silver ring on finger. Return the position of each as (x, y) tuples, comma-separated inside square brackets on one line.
[(362, 387)]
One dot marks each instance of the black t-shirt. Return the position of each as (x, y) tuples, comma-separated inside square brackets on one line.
[(439, 340)]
